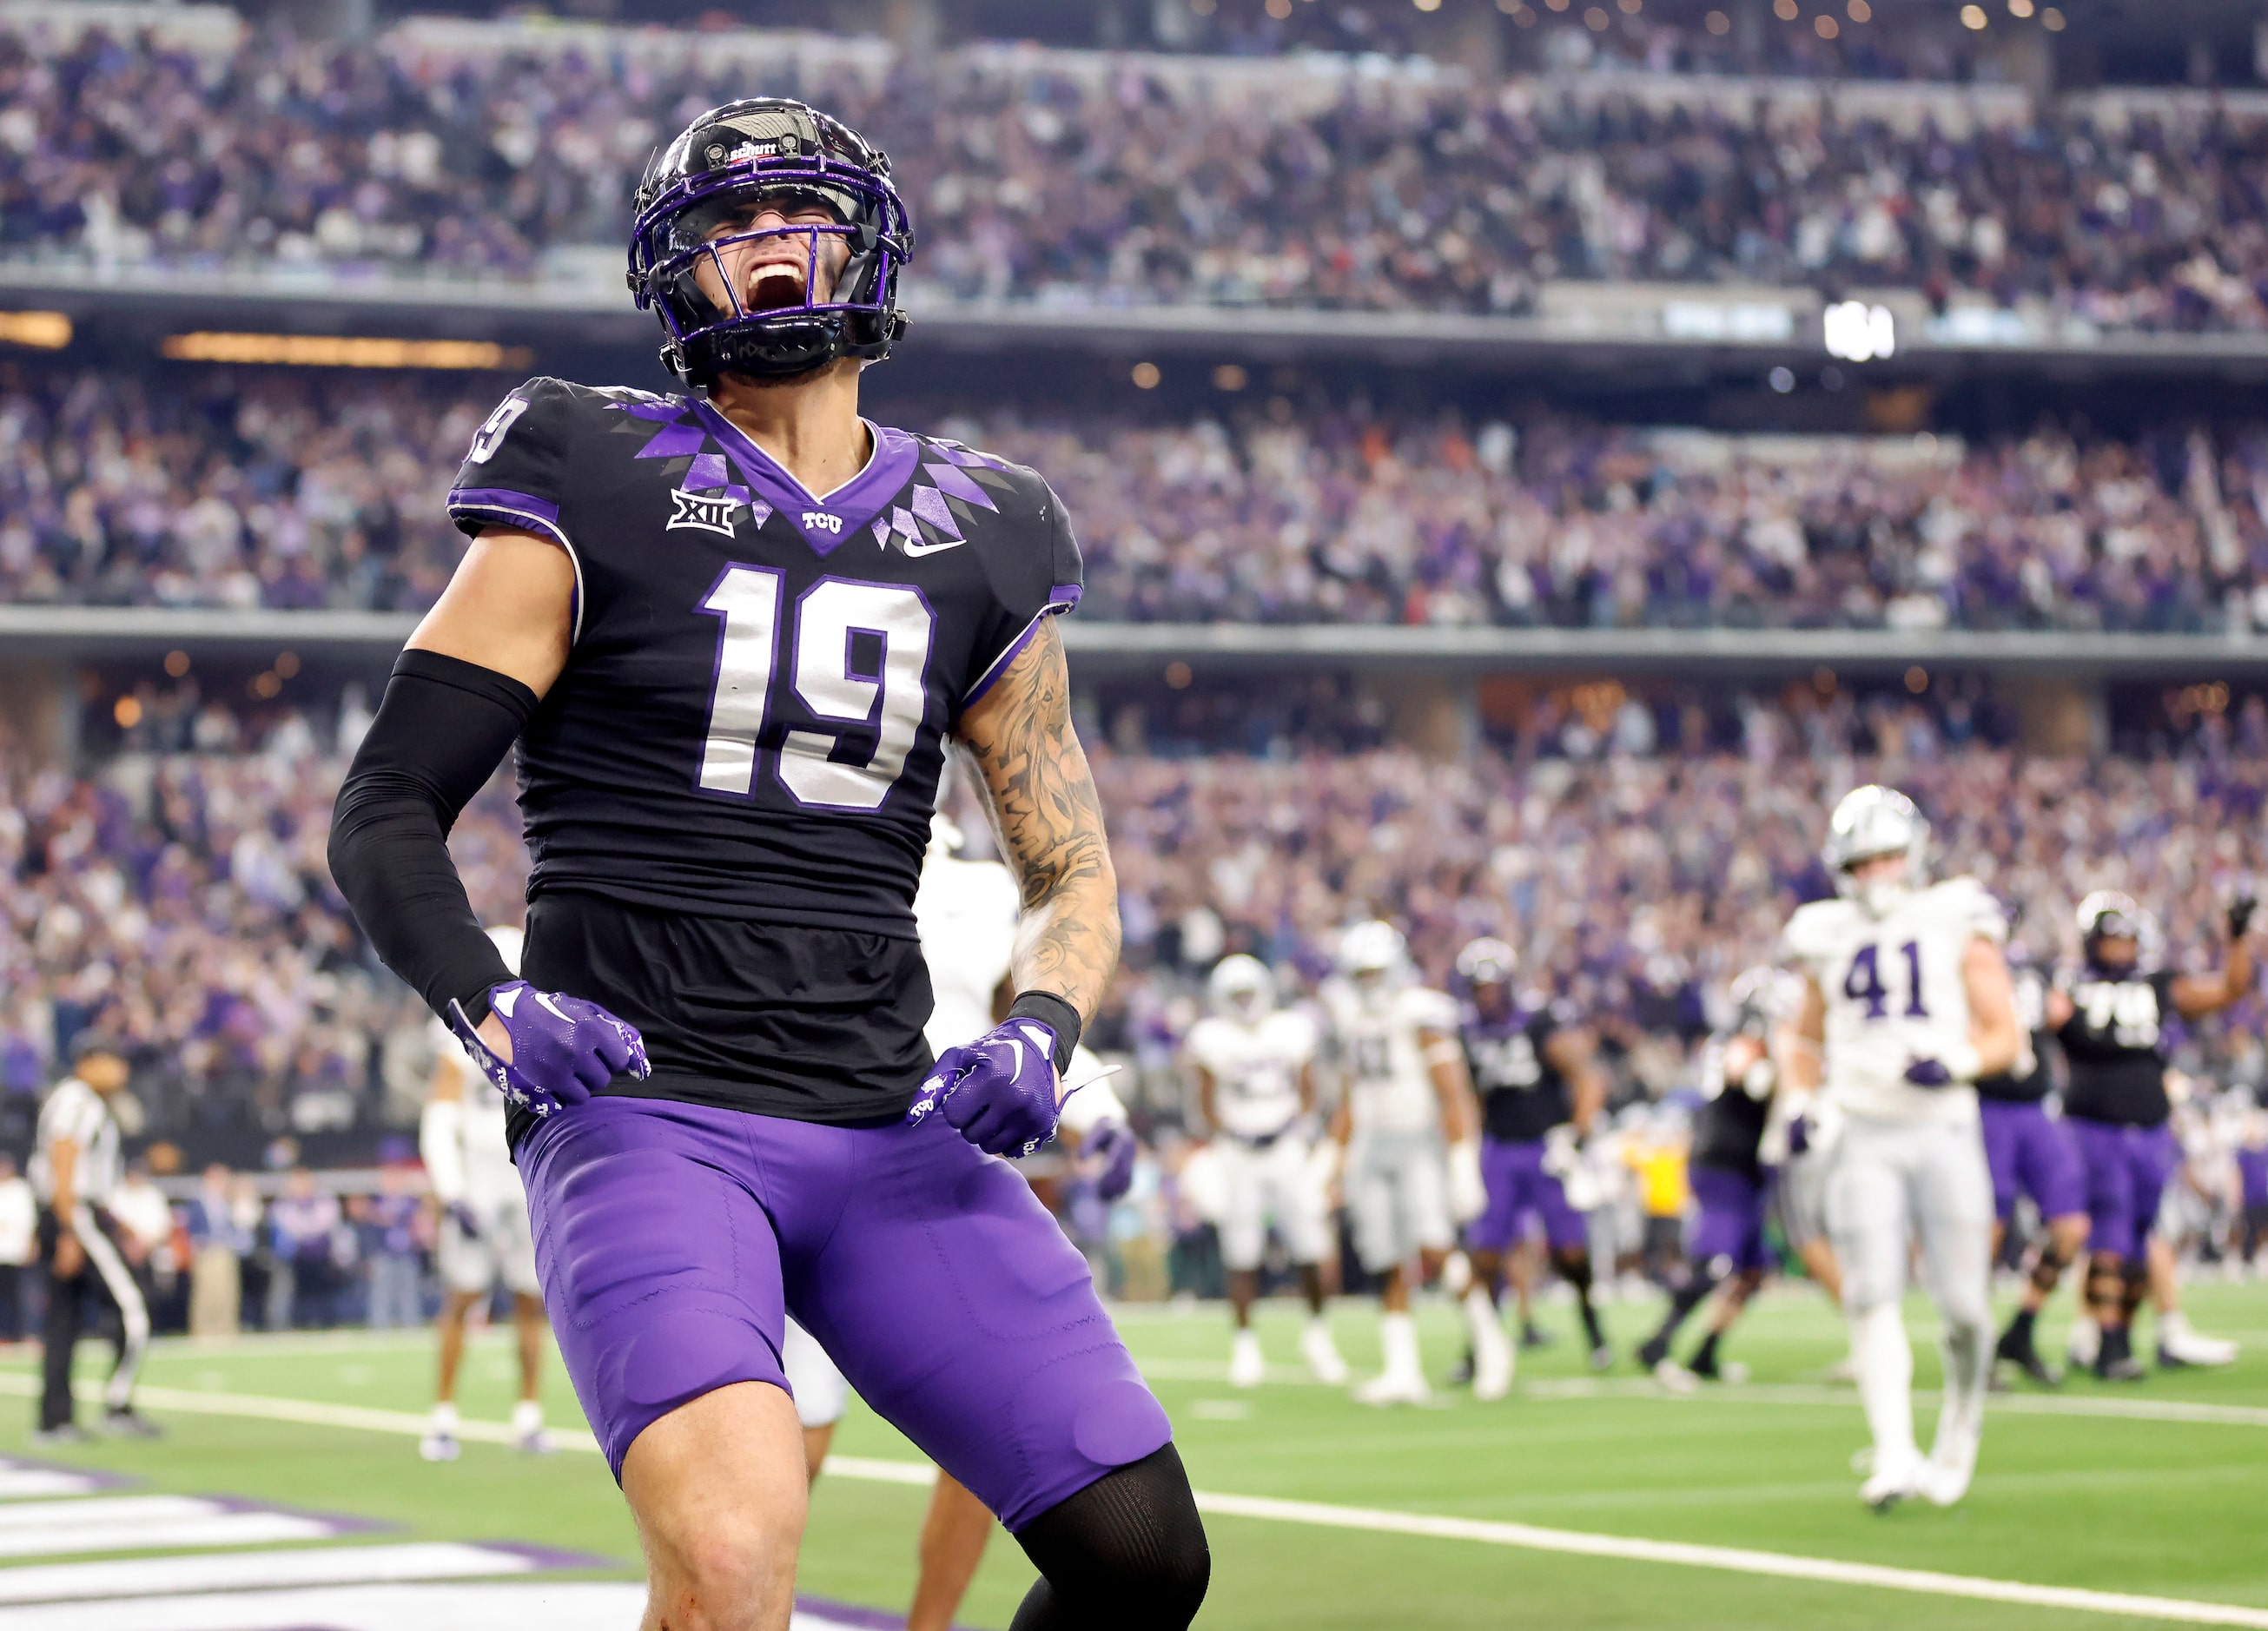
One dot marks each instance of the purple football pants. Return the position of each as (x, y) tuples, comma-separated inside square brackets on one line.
[(672, 1238), (2126, 1173), (1519, 1188), (1730, 1225), (2029, 1151)]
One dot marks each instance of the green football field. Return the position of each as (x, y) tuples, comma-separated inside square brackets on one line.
[(1323, 1513)]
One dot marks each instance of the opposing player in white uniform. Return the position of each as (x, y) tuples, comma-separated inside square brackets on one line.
[(1907, 1000), (485, 1236), (1409, 1131), (1254, 1064), (969, 914)]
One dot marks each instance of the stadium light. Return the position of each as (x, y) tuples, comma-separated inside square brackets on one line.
[(47, 330), (1859, 332), (343, 352)]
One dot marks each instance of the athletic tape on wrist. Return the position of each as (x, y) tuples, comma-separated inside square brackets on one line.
[(1055, 1013)]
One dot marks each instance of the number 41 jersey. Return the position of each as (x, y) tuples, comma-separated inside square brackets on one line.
[(751, 721), (1894, 994)]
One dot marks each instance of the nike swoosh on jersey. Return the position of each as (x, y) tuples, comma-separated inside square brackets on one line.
[(917, 550)]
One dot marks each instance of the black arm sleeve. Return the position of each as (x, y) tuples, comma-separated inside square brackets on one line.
[(442, 730)]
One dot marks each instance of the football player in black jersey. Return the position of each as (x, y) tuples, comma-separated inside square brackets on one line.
[(2029, 1151), (1730, 1184), (2111, 1022), (1537, 1072), (732, 631)]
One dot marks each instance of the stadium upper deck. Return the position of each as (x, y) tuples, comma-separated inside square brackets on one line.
[(489, 163)]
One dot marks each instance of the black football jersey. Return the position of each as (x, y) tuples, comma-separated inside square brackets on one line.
[(2115, 1046), (2025, 1085), (1728, 1130), (1523, 1095), (751, 724)]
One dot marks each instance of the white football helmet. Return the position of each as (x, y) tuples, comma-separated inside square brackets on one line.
[(1871, 822), (1242, 987), (1487, 961), (1371, 950)]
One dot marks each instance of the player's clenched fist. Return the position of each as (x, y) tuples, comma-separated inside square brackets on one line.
[(563, 1049), (998, 1091)]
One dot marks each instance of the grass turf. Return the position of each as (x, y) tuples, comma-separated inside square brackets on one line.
[(2168, 1508)]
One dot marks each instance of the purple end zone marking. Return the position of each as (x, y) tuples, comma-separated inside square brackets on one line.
[(546, 1557), (97, 1477), (339, 1522)]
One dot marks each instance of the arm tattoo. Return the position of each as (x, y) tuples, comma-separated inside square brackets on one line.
[(1050, 825)]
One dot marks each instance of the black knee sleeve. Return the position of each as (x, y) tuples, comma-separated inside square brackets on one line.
[(2047, 1271), (1574, 1265), (2106, 1285), (1127, 1553), (2135, 1287)]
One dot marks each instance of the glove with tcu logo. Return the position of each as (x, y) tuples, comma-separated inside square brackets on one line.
[(999, 1091), (1112, 1145), (563, 1049)]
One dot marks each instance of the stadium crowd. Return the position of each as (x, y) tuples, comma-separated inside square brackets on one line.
[(1640, 850), (296, 491), (1078, 178)]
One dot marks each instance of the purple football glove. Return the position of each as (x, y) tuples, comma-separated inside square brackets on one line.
[(1113, 1145), (563, 1049), (466, 1220), (999, 1091), (1928, 1073), (1799, 1135)]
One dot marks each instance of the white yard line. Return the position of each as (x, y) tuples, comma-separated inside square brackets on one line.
[(568, 1606), (1733, 1560), (1527, 1537), (237, 1571)]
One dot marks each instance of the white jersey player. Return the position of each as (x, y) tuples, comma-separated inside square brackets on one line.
[(485, 1237), (1907, 1002), (967, 913), (1254, 1064), (1409, 1129)]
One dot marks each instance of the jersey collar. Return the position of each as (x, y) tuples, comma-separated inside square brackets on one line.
[(824, 520)]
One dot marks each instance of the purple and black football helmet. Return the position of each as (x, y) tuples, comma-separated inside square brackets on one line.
[(768, 148)]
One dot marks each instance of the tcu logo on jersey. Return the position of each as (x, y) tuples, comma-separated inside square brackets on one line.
[(717, 514), (819, 521)]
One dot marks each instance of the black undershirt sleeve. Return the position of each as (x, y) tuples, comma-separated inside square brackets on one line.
[(440, 732)]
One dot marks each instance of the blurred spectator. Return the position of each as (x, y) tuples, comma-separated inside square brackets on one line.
[(305, 1224), (220, 1241), (19, 1216), (392, 1247)]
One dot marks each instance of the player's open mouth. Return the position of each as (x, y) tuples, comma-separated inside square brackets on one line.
[(776, 287)]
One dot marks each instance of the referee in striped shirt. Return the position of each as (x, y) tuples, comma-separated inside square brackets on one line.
[(74, 1170)]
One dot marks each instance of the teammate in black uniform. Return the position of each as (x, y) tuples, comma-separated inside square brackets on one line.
[(1731, 1182), (1537, 1074), (731, 631), (2111, 1023), (2029, 1151)]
